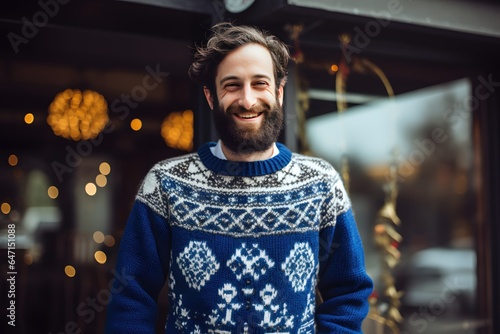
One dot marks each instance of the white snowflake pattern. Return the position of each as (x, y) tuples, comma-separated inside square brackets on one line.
[(299, 265), (197, 264), (251, 261)]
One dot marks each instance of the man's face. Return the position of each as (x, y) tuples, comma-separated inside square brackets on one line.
[(247, 105)]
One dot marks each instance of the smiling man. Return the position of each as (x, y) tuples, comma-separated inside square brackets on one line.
[(245, 233), (247, 111)]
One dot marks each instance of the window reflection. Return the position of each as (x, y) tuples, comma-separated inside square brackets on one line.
[(430, 129)]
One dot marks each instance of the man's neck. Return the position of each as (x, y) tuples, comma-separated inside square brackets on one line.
[(247, 157)]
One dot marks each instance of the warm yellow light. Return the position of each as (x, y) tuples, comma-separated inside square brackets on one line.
[(177, 130), (98, 237), (136, 124), (101, 180), (90, 189), (53, 192), (29, 118), (334, 68), (109, 241), (13, 160), (70, 271), (100, 257), (78, 116), (104, 168), (5, 207)]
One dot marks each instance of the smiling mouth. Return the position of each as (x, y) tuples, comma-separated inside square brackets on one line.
[(248, 115)]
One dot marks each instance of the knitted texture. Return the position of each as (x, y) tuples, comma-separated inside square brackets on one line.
[(243, 247)]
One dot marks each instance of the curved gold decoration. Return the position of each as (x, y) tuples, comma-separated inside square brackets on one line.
[(384, 310), (302, 97)]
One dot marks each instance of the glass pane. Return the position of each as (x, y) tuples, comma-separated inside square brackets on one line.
[(430, 131)]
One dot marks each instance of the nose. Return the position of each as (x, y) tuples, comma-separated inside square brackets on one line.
[(248, 98)]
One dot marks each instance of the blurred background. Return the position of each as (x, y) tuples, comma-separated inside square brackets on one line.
[(401, 96)]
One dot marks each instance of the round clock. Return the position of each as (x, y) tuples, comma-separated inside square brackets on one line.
[(237, 6)]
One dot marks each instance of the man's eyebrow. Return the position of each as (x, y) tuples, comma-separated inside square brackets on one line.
[(233, 77), (261, 76)]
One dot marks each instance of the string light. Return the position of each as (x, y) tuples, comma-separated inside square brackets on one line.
[(101, 180), (100, 257), (98, 237), (53, 192), (13, 160), (177, 130), (29, 118), (5, 208), (136, 124), (104, 168), (70, 271), (78, 116), (90, 189)]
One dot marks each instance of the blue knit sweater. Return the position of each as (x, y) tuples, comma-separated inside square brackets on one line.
[(243, 247)]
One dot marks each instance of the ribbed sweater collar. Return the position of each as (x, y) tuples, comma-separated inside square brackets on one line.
[(243, 168)]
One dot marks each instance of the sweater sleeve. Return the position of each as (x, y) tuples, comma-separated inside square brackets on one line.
[(343, 282), (142, 265)]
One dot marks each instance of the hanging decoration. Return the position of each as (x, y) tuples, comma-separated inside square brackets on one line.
[(78, 116), (302, 96), (177, 129), (340, 90), (385, 302)]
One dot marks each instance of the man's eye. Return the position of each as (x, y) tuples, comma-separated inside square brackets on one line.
[(231, 86)]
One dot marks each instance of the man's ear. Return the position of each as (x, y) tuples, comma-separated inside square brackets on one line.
[(281, 92), (209, 97)]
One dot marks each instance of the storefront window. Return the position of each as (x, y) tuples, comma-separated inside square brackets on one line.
[(426, 135)]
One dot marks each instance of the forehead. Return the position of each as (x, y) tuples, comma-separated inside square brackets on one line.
[(249, 60)]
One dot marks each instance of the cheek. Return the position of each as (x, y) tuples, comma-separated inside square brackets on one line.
[(227, 101), (272, 96)]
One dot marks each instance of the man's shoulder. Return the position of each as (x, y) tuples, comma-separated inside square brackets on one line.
[(174, 161), (165, 172), (178, 165), (315, 163)]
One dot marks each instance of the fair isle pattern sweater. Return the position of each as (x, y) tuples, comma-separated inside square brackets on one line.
[(243, 247)]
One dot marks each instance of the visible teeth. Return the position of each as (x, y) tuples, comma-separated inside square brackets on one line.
[(246, 116)]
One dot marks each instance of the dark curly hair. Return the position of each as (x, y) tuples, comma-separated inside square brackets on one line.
[(227, 37)]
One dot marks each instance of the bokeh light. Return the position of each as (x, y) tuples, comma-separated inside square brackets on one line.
[(29, 118), (109, 240), (136, 124), (90, 189), (177, 130), (53, 192), (5, 207), (104, 168), (13, 160), (100, 257), (78, 116), (98, 237), (101, 180), (70, 271)]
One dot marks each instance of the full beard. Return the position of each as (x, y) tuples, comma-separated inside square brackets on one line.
[(242, 139)]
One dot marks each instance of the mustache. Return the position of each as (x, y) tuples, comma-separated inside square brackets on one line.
[(259, 108)]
